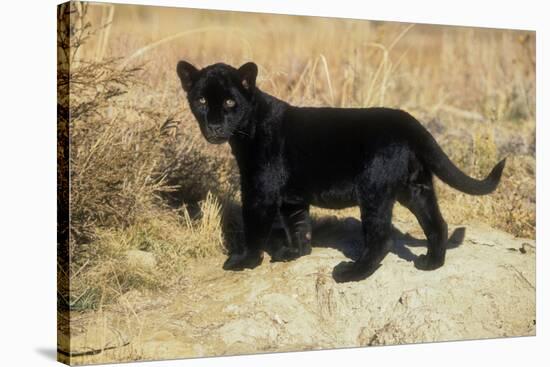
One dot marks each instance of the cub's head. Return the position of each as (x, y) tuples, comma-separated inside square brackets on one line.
[(219, 96)]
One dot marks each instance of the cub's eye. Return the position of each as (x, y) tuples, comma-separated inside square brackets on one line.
[(202, 100), (229, 103)]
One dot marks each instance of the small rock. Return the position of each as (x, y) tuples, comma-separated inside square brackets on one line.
[(278, 320), (141, 259), (527, 248)]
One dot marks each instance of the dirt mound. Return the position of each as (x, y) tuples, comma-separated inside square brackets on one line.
[(486, 289)]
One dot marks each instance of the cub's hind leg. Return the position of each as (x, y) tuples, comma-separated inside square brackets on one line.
[(376, 190), (419, 197), (298, 222), (376, 212), (297, 226)]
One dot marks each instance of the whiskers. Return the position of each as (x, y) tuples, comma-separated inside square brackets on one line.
[(242, 133)]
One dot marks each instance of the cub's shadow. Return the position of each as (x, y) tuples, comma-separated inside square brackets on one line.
[(345, 235), (342, 234)]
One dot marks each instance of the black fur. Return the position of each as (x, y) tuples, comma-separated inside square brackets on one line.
[(293, 157)]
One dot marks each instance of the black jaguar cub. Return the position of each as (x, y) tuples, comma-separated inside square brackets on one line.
[(293, 157)]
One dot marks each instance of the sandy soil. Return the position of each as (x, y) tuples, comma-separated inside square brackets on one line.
[(486, 289)]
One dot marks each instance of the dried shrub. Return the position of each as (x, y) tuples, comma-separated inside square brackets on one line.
[(169, 238), (127, 155)]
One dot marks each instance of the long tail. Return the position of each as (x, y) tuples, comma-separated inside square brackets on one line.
[(436, 159)]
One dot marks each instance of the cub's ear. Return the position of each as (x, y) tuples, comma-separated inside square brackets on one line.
[(188, 74), (248, 73)]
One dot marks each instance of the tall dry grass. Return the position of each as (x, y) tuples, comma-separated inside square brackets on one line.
[(141, 173), (129, 180)]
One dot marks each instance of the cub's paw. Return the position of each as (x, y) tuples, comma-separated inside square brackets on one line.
[(243, 261), (285, 253), (348, 271), (426, 262), (305, 250)]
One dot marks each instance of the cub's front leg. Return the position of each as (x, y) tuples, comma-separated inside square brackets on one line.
[(259, 209)]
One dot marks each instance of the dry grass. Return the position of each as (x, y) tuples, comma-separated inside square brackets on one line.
[(163, 242), (130, 165), (139, 166)]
